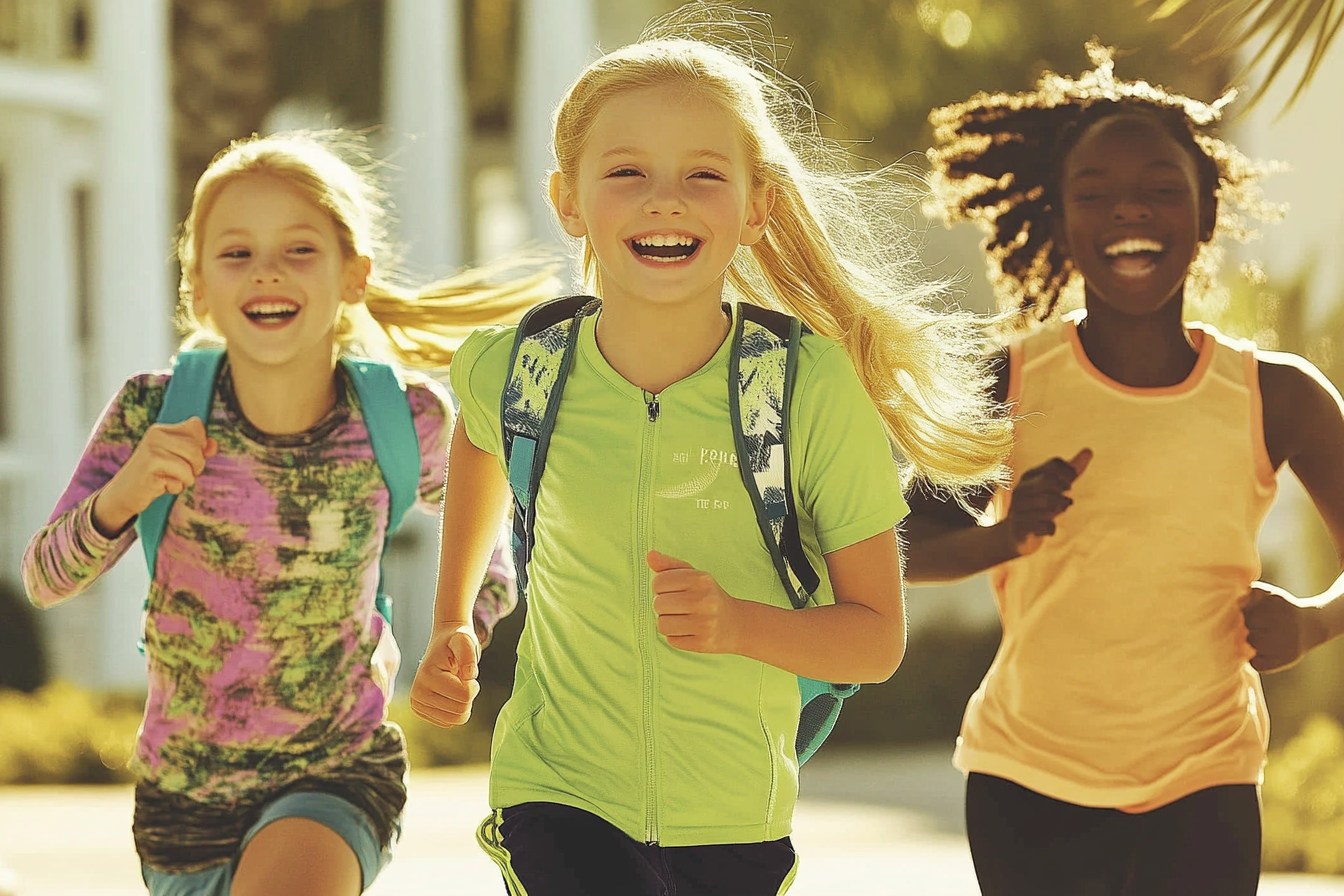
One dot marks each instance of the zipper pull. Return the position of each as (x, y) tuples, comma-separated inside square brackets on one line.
[(652, 402)]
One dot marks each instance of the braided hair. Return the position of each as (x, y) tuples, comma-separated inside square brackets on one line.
[(998, 158)]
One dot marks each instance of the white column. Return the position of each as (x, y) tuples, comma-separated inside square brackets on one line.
[(558, 39), (42, 371), (426, 120), (134, 281)]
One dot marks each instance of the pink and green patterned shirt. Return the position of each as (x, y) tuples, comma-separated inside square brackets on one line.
[(261, 628)]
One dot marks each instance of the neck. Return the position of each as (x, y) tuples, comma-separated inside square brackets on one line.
[(654, 346), (285, 399), (1145, 351)]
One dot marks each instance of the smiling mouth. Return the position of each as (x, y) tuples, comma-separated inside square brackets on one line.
[(1134, 257), (270, 312), (665, 249)]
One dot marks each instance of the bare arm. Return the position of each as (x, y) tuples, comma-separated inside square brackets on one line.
[(473, 507), (861, 638), (945, 542), (474, 501), (1304, 427)]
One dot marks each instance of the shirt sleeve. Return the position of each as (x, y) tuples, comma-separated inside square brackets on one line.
[(477, 375), (68, 554), (847, 479)]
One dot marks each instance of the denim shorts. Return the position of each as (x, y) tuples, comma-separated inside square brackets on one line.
[(349, 823)]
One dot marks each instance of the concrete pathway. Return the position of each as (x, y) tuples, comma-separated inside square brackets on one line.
[(871, 824)]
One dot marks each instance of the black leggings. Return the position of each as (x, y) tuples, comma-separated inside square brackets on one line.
[(556, 850), (1027, 844)]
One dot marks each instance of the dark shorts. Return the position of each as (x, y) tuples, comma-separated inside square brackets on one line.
[(546, 849), (362, 801), (332, 812), (1026, 844)]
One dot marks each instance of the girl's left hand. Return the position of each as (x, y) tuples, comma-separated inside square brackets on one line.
[(1280, 629), (694, 613)]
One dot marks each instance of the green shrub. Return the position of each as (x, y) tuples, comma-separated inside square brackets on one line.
[(430, 746), (61, 734), (1303, 799)]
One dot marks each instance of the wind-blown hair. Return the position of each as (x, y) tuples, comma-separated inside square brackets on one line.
[(335, 171), (839, 249), (998, 159)]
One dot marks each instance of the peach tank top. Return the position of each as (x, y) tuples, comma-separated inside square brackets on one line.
[(1122, 679)]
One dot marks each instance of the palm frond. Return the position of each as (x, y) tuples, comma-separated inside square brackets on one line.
[(1281, 28)]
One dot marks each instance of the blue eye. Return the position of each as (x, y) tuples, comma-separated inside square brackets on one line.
[(236, 253)]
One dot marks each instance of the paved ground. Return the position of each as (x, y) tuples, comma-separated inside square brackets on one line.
[(871, 824)]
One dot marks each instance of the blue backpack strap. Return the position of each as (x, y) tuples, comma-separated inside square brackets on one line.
[(763, 365), (396, 446), (543, 351), (190, 390)]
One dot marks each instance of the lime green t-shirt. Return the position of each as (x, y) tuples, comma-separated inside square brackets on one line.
[(670, 747)]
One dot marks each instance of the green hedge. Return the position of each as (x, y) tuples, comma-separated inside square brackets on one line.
[(61, 734), (1303, 801)]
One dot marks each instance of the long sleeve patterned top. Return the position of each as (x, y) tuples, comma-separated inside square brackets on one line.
[(260, 630)]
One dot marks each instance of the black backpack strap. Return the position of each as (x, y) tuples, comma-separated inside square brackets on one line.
[(543, 351), (763, 363)]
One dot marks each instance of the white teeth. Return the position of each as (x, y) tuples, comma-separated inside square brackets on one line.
[(664, 240), (267, 308), (1133, 245)]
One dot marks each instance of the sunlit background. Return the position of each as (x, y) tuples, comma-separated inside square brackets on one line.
[(110, 109)]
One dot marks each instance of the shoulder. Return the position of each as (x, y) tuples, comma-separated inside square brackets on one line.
[(1303, 414), (142, 395), (821, 360), (483, 356), (1296, 395), (426, 395)]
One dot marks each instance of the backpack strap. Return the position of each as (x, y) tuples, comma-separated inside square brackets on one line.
[(190, 390), (396, 447), (191, 387), (543, 351), (762, 366)]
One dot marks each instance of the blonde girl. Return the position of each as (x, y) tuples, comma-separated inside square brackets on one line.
[(648, 746), (265, 762)]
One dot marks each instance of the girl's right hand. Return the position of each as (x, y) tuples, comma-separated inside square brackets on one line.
[(167, 460), (1040, 497), (445, 685)]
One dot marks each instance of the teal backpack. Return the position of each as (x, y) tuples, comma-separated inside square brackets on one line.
[(387, 414), (762, 366)]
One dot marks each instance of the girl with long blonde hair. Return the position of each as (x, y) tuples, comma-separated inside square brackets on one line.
[(649, 743)]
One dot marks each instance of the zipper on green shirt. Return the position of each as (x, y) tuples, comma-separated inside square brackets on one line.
[(644, 522)]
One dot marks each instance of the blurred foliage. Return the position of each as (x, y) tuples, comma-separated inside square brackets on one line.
[(1243, 24), (23, 659), (1303, 801), (61, 734), (876, 69), (924, 701)]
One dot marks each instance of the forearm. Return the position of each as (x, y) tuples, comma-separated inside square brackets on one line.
[(937, 553), (849, 643), (68, 554), (474, 504)]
